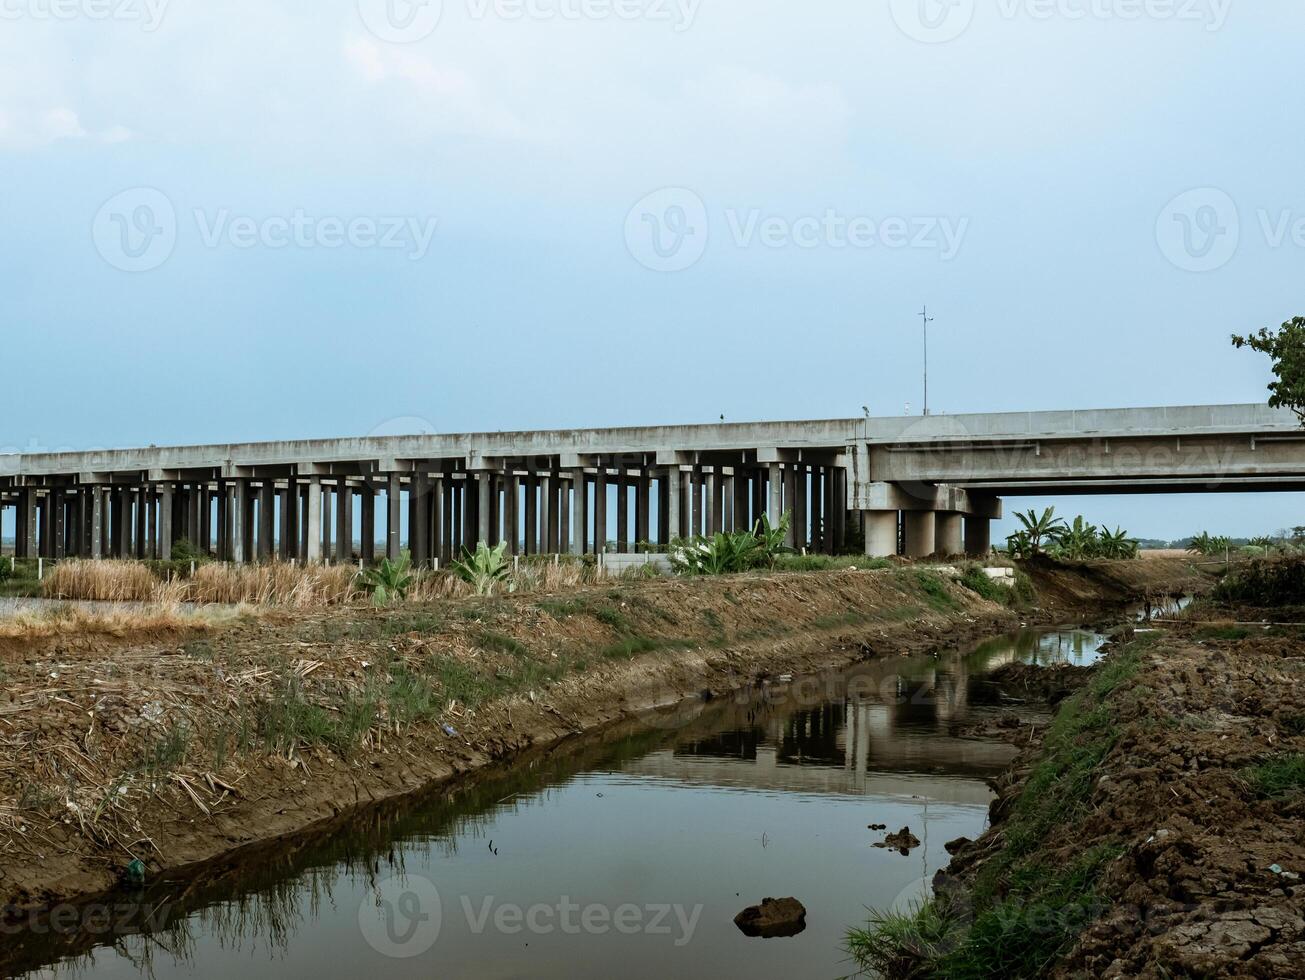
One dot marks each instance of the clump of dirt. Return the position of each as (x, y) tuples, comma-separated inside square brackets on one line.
[(1051, 683), (904, 842), (773, 918)]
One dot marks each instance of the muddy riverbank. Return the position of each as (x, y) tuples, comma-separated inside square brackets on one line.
[(1154, 830), (176, 750)]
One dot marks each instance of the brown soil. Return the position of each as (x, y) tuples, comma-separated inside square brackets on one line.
[(85, 786), (1212, 881)]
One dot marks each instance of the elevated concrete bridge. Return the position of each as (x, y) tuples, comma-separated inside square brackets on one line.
[(923, 484)]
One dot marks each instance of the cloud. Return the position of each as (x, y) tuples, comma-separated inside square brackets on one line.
[(445, 97)]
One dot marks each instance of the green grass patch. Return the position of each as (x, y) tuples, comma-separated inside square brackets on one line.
[(934, 589), (825, 563), (1222, 633), (632, 646), (1279, 777), (614, 618), (501, 642), (563, 608)]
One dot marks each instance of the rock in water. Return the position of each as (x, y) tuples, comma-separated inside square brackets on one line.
[(903, 841), (772, 918)]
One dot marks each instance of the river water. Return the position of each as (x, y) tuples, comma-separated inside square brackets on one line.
[(626, 854)]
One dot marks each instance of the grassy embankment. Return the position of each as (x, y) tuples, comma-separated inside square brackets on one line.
[(1168, 791), (109, 745)]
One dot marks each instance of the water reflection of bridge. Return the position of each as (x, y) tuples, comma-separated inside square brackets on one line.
[(882, 729)]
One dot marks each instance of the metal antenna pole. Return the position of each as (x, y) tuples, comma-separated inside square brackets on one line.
[(924, 315)]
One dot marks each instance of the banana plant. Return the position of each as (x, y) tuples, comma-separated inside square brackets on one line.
[(1118, 544), (388, 582), (484, 568), (1040, 528), (1078, 540)]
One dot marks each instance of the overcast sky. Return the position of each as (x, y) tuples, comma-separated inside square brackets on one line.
[(259, 219)]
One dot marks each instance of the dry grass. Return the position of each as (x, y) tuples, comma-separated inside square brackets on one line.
[(76, 621), (282, 584), (275, 584), (103, 581)]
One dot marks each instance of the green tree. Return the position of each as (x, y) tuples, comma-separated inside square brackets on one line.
[(1286, 346)]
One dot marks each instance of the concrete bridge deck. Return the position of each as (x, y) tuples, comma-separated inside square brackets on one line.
[(882, 479)]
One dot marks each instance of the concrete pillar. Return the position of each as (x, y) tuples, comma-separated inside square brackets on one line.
[(622, 514), (642, 508), (739, 490), (343, 532), (25, 525), (711, 496), (287, 545), (948, 529), (448, 522), (511, 513), (840, 512), (579, 512), (674, 521), (313, 522), (165, 521), (419, 534), (142, 522), (367, 501), (485, 515), (223, 522), (920, 533), (600, 509), (880, 533), (121, 523), (239, 521), (393, 544), (978, 536), (547, 515), (563, 540), (436, 518), (266, 520), (530, 515), (775, 507)]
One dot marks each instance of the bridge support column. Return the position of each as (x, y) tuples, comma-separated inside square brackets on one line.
[(978, 536), (921, 540), (775, 507), (313, 522), (948, 533), (880, 533), (674, 522), (485, 514), (393, 545)]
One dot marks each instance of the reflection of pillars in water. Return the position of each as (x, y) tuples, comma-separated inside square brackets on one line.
[(863, 714), (952, 693)]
